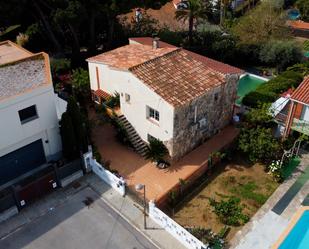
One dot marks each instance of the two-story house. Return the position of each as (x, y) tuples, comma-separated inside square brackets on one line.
[(295, 115), (166, 92), (29, 129)]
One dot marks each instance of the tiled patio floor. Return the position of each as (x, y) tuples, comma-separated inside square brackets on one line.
[(136, 169)]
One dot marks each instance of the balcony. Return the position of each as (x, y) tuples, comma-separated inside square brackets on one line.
[(301, 126)]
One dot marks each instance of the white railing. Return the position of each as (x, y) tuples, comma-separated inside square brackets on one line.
[(108, 177), (172, 227)]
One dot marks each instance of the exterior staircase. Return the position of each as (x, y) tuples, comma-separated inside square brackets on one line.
[(138, 144)]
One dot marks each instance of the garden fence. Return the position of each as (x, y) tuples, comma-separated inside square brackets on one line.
[(172, 227), (112, 180)]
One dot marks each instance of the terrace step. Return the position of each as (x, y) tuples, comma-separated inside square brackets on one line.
[(138, 144)]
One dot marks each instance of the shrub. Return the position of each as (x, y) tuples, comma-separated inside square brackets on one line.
[(59, 66), (259, 116), (280, 54), (121, 132), (259, 144), (229, 211), (254, 99), (69, 146), (80, 81), (113, 101), (207, 236), (303, 6), (156, 150), (269, 91), (80, 124), (301, 68), (306, 45)]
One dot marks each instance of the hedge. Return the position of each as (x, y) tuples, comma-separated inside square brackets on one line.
[(270, 91)]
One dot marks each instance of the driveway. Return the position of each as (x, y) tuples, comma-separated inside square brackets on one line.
[(76, 224)]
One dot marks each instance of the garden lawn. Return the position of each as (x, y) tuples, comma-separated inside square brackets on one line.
[(250, 183)]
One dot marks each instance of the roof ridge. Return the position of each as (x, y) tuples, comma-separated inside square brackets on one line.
[(176, 50)]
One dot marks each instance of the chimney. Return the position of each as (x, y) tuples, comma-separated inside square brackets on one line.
[(155, 42)]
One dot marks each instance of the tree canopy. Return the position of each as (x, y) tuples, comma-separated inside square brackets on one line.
[(261, 24)]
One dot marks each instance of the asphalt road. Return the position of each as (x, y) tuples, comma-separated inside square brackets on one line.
[(75, 225)]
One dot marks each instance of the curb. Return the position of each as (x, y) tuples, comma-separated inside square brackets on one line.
[(154, 243)]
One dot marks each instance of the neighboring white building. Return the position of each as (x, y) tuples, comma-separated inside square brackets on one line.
[(169, 93), (29, 129)]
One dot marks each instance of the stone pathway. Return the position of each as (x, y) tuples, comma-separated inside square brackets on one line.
[(266, 226)]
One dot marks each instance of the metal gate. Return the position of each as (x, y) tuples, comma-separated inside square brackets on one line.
[(21, 161), (32, 190)]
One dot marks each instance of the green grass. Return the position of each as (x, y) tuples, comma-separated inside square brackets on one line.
[(248, 191)]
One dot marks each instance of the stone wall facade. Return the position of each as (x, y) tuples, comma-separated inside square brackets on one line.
[(203, 117)]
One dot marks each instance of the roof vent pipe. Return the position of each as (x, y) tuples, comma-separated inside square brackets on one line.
[(155, 43)]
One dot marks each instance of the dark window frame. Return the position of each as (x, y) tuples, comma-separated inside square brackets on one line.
[(153, 114), (23, 116)]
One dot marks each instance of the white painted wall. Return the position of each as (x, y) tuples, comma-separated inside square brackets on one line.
[(121, 81), (61, 106), (172, 227), (305, 113), (116, 183), (136, 110), (110, 80), (14, 135)]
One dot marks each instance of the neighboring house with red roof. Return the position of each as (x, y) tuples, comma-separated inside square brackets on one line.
[(295, 114), (299, 28), (29, 127), (166, 92)]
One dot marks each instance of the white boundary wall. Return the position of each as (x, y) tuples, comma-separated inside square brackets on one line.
[(177, 231), (116, 183)]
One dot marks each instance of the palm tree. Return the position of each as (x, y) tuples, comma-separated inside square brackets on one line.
[(196, 9)]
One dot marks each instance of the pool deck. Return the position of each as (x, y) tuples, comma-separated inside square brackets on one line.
[(293, 222), (266, 226)]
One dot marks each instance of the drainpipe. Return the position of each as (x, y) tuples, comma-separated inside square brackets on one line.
[(289, 120)]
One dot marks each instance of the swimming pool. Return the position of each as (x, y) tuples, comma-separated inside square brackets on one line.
[(298, 236), (293, 14), (246, 84)]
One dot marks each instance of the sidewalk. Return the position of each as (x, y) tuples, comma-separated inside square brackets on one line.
[(128, 209), (133, 212)]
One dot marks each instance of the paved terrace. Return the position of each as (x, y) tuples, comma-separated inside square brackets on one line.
[(136, 169)]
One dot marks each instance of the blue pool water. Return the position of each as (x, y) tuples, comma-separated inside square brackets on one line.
[(298, 238), (293, 14)]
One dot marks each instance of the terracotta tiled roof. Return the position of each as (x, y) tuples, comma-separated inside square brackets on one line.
[(129, 56), (301, 93), (102, 94), (215, 65), (299, 24), (177, 77)]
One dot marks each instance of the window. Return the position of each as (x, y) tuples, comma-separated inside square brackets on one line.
[(216, 96), (127, 97), (153, 114), (28, 114)]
